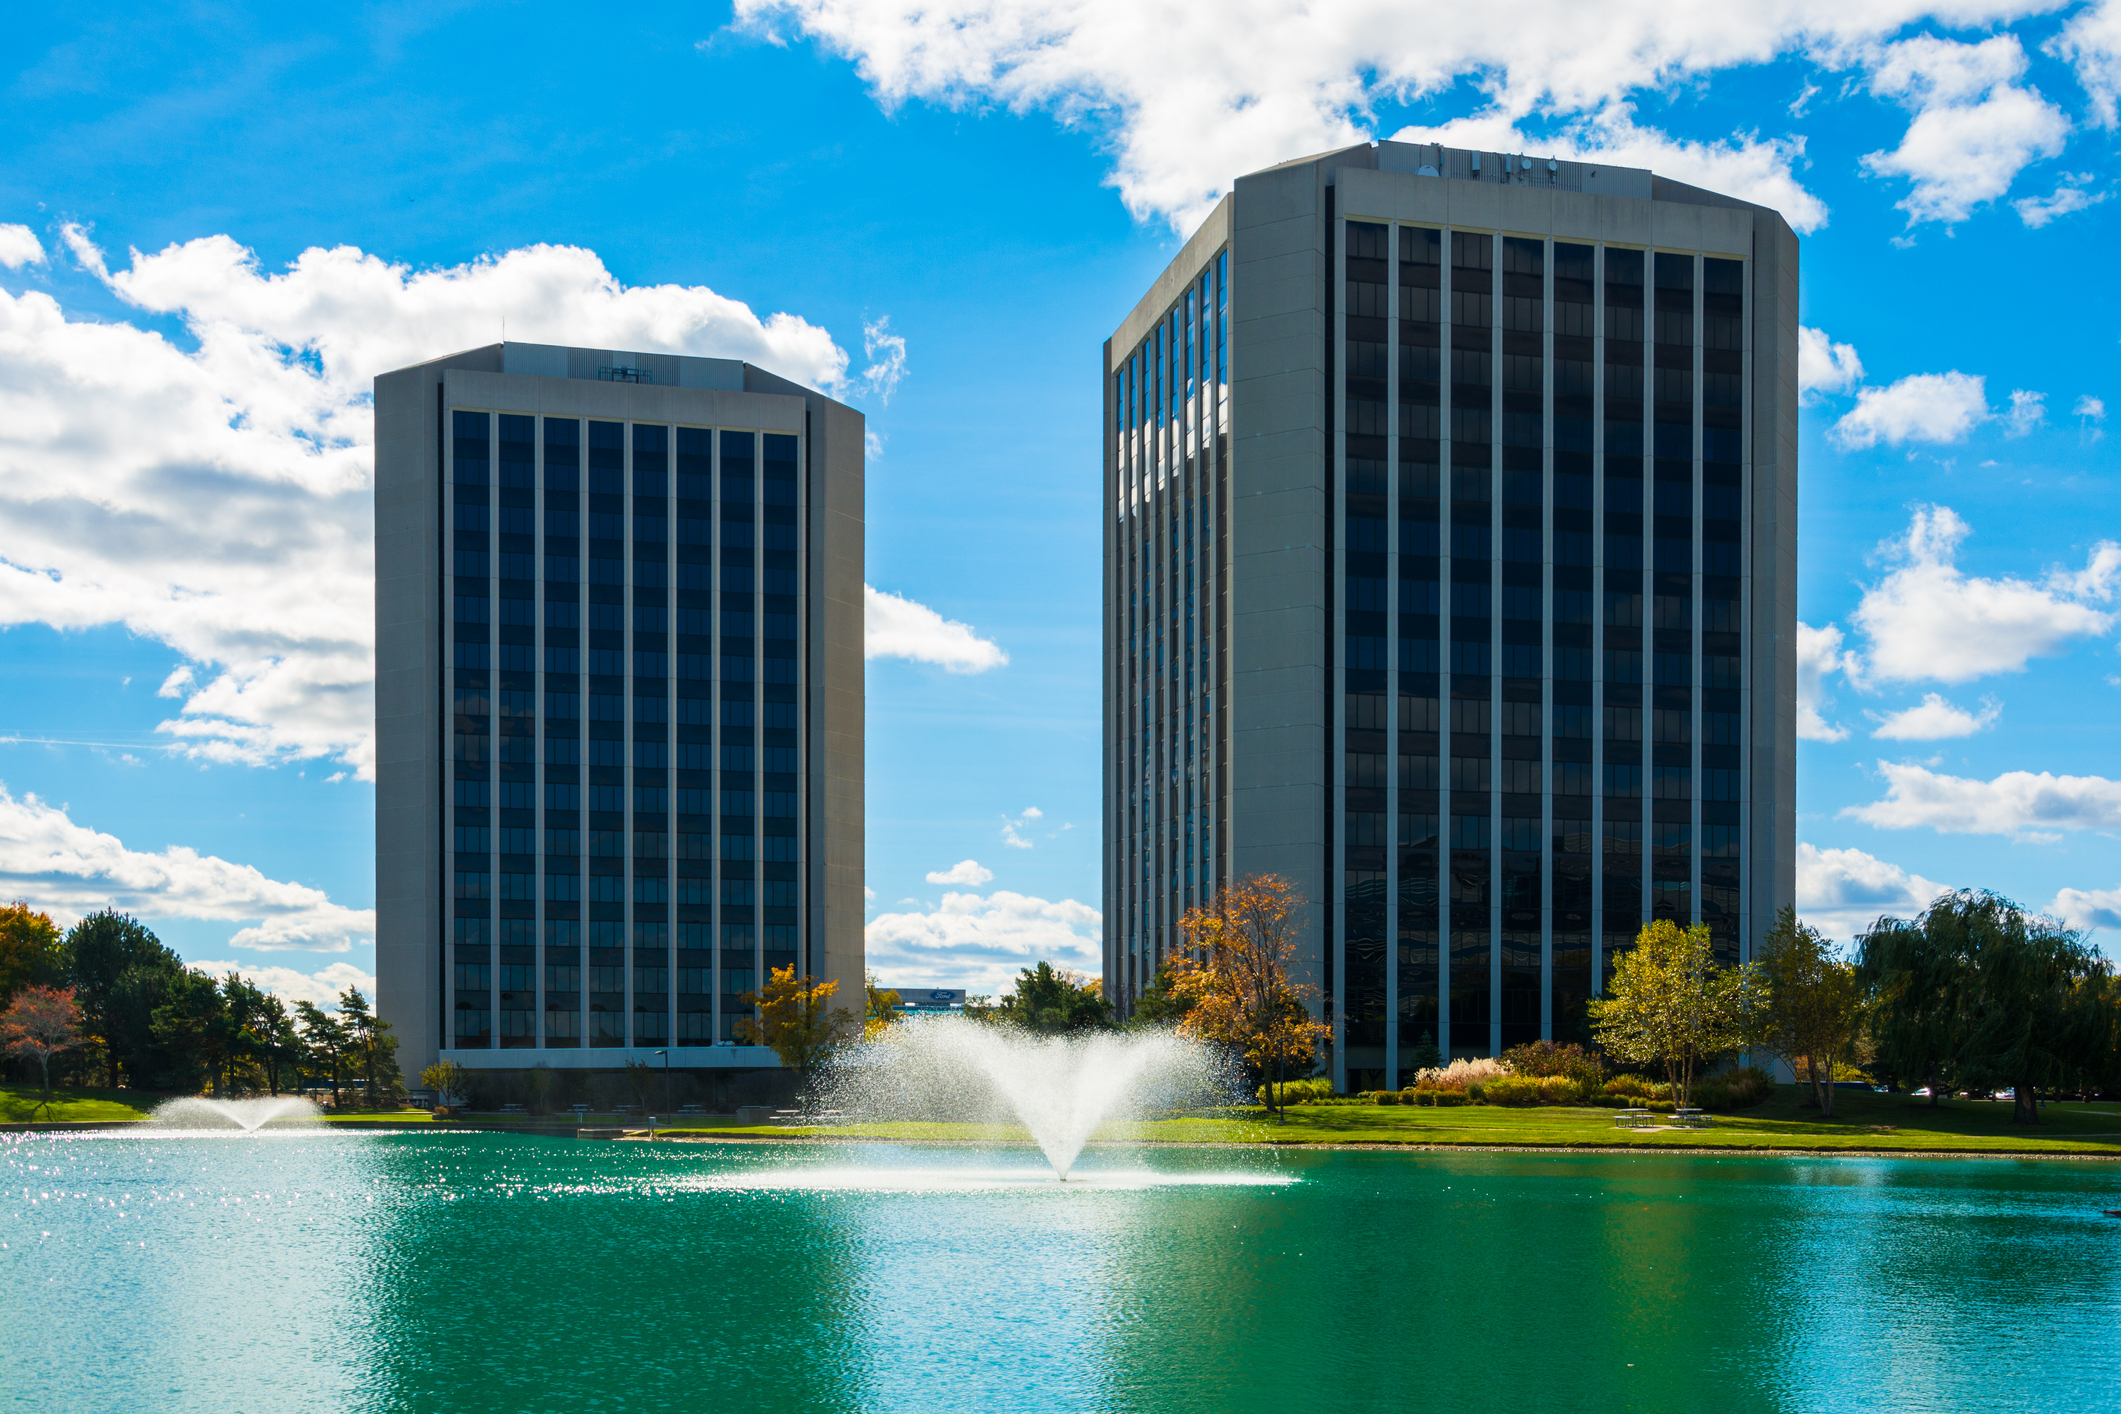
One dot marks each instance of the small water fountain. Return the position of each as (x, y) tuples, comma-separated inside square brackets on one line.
[(1058, 1087), (197, 1113)]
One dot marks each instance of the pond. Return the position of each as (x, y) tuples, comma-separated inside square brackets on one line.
[(476, 1272)]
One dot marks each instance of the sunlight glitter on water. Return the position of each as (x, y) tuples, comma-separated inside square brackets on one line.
[(841, 1178)]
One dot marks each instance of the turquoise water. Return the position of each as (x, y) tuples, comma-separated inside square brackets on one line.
[(473, 1272)]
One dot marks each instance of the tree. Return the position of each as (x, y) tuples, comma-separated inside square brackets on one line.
[(121, 974), (1670, 1003), (325, 1040), (1811, 1003), (194, 1032), (884, 1007), (371, 1048), (1918, 976), (30, 954), (41, 1022), (1235, 978), (1160, 1002), (447, 1079), (279, 1041), (797, 1021), (1052, 1001), (2038, 994)]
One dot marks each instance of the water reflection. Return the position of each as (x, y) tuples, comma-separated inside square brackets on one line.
[(470, 1272)]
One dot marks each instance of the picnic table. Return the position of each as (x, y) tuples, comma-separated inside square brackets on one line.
[(1690, 1117), (1633, 1119)]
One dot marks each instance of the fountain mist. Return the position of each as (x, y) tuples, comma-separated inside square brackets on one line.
[(244, 1116), (1059, 1087)]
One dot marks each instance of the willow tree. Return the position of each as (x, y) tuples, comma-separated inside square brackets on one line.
[(1669, 1004), (1234, 978)]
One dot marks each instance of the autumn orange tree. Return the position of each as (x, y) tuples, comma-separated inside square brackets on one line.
[(797, 1021), (1234, 977)]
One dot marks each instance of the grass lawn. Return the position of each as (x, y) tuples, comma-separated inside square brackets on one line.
[(1862, 1120), (20, 1104)]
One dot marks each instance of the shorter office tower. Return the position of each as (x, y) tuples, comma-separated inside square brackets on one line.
[(1450, 574), (618, 704)]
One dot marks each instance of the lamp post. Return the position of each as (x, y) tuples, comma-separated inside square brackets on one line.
[(666, 1080)]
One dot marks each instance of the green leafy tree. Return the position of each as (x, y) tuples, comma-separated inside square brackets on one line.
[(1812, 1002), (279, 1042), (372, 1049), (1053, 1002), (1919, 977), (2038, 999), (449, 1082), (1161, 1003), (194, 1033), (324, 1044), (121, 974), (1669, 1004)]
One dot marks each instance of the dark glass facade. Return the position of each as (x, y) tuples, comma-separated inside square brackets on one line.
[(625, 629)]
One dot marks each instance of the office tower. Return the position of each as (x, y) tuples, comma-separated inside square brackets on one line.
[(1450, 556), (618, 703)]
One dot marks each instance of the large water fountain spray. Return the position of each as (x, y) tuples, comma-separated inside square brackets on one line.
[(196, 1112), (1058, 1087)]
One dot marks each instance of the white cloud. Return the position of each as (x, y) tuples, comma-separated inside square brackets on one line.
[(2069, 196), (1842, 892), (886, 353), (2027, 412), (2092, 42), (319, 989), (1935, 719), (2014, 803), (2088, 908), (19, 246), (1922, 407), (1012, 829), (1824, 366), (71, 871), (218, 499), (2090, 407), (897, 627), (1974, 129), (1188, 96), (1926, 620), (966, 871), (981, 943), (1754, 169), (1819, 653)]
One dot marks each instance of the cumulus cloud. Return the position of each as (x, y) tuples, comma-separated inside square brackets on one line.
[(1819, 653), (1756, 169), (1841, 892), (1824, 366), (897, 627), (70, 871), (1012, 830), (1935, 719), (19, 246), (320, 989), (2027, 412), (2017, 803), (1974, 128), (2068, 197), (1922, 407), (966, 871), (981, 942), (2088, 908), (218, 498), (1266, 80), (2091, 42), (1927, 620)]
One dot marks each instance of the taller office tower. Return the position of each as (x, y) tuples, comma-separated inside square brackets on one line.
[(1450, 574), (618, 703)]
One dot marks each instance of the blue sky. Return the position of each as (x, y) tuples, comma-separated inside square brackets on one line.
[(938, 212)]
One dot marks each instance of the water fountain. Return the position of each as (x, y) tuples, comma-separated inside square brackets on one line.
[(1058, 1087), (196, 1112)]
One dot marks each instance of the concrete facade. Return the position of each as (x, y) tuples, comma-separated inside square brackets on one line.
[(1240, 679), (787, 887)]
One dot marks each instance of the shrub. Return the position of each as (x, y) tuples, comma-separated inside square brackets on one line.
[(1460, 1073), (1300, 1092), (1545, 1058), (1448, 1098), (1612, 1102), (1386, 1097), (1637, 1087), (1663, 1107), (1734, 1090), (1511, 1090)]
